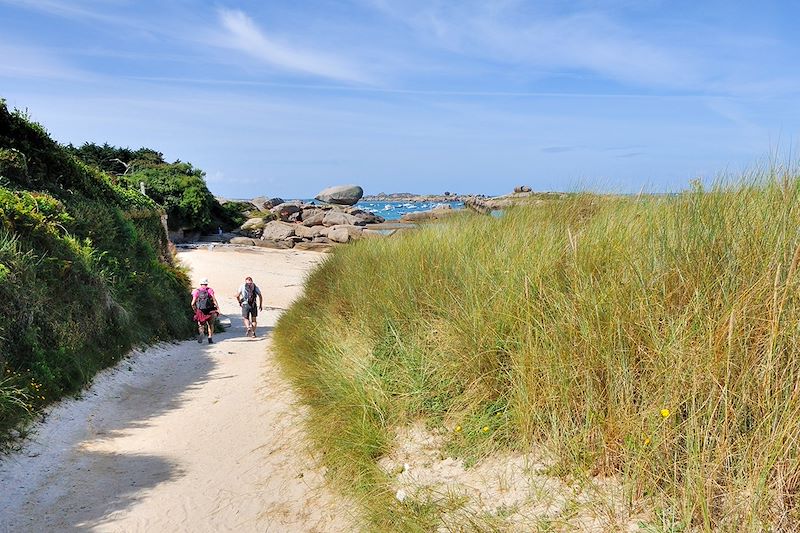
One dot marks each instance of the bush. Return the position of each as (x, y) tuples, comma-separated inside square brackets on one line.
[(80, 257)]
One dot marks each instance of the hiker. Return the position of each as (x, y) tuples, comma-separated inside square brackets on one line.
[(206, 309), (247, 300)]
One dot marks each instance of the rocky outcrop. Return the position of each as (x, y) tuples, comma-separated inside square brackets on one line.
[(478, 205), (301, 224), (341, 195)]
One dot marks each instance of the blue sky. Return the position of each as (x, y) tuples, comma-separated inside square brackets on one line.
[(284, 98)]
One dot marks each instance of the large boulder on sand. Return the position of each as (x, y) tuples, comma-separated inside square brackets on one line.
[(277, 231), (341, 195)]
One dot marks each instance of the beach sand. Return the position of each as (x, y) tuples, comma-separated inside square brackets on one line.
[(183, 437)]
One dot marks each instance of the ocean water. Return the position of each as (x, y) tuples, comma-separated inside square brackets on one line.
[(394, 210)]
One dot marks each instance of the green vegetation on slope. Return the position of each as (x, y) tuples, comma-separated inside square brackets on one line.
[(651, 338), (85, 272), (178, 187)]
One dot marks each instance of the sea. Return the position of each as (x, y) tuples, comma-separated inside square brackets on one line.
[(394, 210)]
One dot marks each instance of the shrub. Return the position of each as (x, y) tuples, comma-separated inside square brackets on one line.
[(80, 256)]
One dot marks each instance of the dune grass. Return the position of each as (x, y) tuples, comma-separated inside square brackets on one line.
[(651, 338)]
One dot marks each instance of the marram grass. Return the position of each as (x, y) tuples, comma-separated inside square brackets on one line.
[(654, 338)]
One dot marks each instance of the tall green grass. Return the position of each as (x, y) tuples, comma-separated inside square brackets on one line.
[(653, 338)]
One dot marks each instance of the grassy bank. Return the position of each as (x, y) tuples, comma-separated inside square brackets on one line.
[(653, 338), (85, 272)]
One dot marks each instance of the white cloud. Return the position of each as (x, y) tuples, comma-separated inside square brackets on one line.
[(22, 62), (242, 33), (584, 40)]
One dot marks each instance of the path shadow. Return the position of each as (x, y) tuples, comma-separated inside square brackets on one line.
[(104, 483), (112, 482)]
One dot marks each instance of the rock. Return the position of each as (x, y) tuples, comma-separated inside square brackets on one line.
[(279, 245), (272, 202), (243, 240), (355, 232), (499, 203), (277, 231), (478, 205), (314, 218), (253, 225), (341, 195), (338, 234), (308, 232), (259, 203), (285, 209), (418, 216), (321, 240), (337, 218), (522, 188), (314, 246), (367, 216)]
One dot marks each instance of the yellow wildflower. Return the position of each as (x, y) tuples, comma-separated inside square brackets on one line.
[(458, 429), (485, 429), (665, 413), (646, 441)]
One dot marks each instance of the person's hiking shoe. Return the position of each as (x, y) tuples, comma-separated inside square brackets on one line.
[(210, 340), (200, 338), (248, 331)]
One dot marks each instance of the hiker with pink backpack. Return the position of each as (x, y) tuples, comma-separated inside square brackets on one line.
[(206, 309)]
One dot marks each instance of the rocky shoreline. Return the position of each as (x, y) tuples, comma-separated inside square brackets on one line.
[(275, 223)]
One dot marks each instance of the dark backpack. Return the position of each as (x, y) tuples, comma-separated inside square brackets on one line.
[(204, 301), (251, 295)]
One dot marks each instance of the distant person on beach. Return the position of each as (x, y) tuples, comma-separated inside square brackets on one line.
[(206, 309), (219, 230), (246, 296)]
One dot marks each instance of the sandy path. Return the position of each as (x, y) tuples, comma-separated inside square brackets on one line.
[(182, 437)]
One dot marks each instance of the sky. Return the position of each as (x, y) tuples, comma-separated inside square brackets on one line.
[(287, 97)]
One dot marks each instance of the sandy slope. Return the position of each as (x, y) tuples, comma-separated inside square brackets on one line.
[(182, 437)]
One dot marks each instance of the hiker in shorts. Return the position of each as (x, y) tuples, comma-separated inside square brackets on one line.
[(246, 296), (206, 309)]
